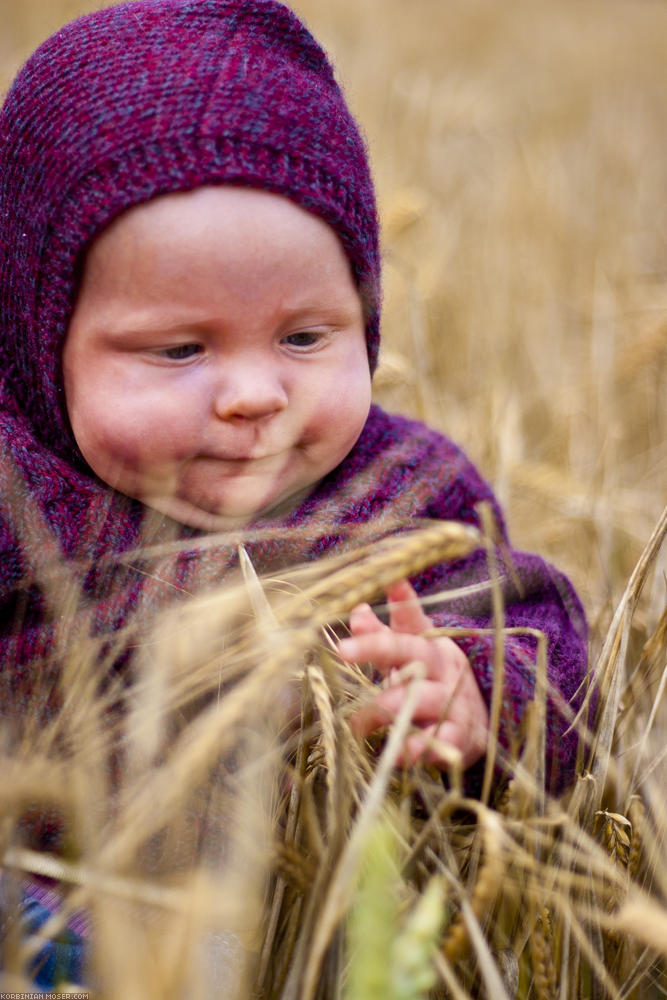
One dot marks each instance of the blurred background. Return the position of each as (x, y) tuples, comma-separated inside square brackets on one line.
[(520, 156)]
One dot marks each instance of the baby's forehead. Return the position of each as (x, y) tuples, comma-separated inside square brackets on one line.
[(239, 219), (205, 204), (215, 254)]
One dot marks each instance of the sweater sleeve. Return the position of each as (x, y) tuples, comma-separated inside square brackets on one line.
[(26, 637), (535, 596)]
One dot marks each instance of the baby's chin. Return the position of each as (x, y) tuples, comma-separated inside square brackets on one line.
[(230, 516), (194, 516)]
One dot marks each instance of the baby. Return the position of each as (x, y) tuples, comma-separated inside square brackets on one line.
[(190, 297), (189, 325), (237, 310)]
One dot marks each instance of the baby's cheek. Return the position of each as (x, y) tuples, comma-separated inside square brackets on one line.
[(122, 448), (339, 416)]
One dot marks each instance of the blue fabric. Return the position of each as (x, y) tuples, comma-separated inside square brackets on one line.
[(59, 961)]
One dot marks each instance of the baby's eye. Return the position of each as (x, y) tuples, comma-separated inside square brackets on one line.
[(307, 338), (180, 351)]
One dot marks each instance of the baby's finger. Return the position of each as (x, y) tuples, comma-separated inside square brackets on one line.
[(435, 744), (434, 698), (405, 611), (363, 620), (386, 649), (432, 746)]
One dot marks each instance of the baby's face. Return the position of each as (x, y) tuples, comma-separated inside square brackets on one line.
[(215, 364)]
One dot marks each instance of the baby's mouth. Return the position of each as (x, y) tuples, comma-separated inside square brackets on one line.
[(240, 458)]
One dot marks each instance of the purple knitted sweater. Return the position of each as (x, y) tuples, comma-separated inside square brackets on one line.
[(165, 95), (398, 472)]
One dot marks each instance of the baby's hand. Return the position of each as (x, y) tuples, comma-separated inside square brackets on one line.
[(450, 709)]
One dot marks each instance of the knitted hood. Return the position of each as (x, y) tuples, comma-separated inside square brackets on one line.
[(143, 99)]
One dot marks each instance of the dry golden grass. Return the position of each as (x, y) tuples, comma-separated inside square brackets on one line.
[(227, 860), (520, 161)]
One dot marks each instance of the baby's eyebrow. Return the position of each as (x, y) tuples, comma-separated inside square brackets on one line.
[(152, 324), (313, 314), (302, 315)]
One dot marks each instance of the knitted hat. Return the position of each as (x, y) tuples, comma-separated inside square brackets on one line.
[(151, 97)]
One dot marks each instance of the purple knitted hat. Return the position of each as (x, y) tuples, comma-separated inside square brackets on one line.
[(146, 98)]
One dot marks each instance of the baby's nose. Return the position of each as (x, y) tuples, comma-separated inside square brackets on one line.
[(249, 391)]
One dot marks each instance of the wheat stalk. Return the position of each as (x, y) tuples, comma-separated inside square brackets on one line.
[(541, 942)]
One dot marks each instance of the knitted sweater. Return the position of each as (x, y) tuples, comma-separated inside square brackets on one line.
[(398, 473), (157, 96), (124, 105)]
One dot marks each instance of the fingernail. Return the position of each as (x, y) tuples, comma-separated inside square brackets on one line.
[(360, 611), (347, 648)]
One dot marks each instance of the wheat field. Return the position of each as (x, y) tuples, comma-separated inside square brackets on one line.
[(520, 158)]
